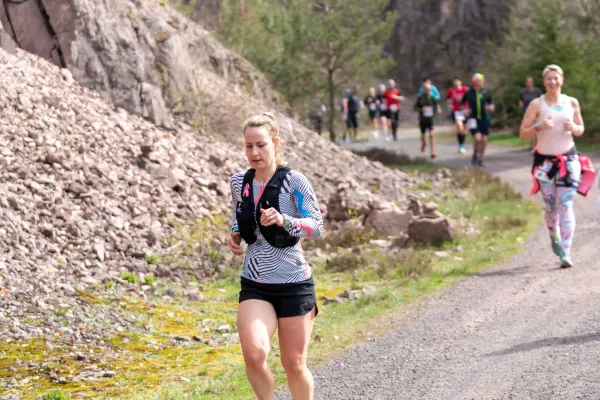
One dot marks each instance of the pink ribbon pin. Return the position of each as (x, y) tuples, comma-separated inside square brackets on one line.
[(246, 191)]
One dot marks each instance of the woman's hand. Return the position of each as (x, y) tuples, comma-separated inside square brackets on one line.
[(569, 126), (270, 216), (547, 123), (235, 241)]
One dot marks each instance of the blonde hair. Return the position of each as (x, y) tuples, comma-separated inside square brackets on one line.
[(552, 67), (266, 119)]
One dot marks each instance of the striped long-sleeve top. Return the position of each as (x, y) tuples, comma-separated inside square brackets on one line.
[(298, 204)]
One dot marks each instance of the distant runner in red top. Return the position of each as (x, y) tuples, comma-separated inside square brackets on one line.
[(393, 99), (455, 96)]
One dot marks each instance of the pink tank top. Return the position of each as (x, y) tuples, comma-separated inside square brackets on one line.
[(555, 140)]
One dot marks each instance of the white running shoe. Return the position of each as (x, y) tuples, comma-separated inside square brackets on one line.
[(462, 150)]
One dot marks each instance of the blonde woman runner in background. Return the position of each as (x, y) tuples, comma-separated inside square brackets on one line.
[(273, 207), (554, 119)]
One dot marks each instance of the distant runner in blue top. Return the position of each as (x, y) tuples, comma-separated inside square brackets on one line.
[(434, 91)]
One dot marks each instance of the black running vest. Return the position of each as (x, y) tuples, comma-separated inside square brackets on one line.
[(248, 214)]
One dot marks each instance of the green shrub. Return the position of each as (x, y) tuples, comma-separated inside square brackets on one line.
[(129, 277), (149, 280)]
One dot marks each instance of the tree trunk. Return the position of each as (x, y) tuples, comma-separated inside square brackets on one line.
[(332, 105)]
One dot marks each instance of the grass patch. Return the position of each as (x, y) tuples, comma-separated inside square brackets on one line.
[(151, 364)]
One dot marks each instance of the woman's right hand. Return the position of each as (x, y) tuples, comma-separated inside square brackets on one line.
[(547, 123), (235, 241)]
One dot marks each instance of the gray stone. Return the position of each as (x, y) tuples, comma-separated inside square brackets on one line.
[(100, 251), (78, 188), (369, 290)]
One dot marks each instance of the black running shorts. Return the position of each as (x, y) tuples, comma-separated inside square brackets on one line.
[(288, 299), (426, 124), (352, 120)]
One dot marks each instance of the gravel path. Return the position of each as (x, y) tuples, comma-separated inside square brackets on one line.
[(523, 330)]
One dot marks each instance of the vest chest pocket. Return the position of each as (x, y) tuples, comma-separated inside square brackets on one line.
[(246, 222)]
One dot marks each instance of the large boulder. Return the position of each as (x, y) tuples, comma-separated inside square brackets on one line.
[(429, 226), (430, 231), (389, 221)]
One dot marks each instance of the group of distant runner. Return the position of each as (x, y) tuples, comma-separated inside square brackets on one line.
[(383, 107), (470, 106)]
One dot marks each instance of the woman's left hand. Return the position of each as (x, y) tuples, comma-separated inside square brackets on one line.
[(270, 216), (569, 126)]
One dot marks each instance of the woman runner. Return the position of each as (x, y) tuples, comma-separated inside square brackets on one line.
[(455, 96), (272, 208), (383, 111), (554, 119), (371, 104)]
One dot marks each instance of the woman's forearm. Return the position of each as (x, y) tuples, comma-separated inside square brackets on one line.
[(578, 130), (528, 133)]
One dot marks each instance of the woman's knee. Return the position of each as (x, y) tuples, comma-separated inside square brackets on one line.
[(293, 364), (255, 356)]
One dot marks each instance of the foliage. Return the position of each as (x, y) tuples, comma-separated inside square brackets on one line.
[(309, 46)]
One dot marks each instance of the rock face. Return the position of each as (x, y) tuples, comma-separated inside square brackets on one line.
[(6, 41), (142, 57), (439, 39), (206, 12)]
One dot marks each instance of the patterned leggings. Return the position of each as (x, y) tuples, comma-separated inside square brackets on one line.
[(559, 214)]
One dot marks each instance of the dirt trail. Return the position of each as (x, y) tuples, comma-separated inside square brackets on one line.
[(523, 330)]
